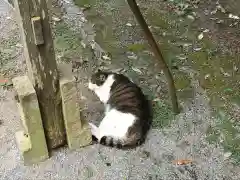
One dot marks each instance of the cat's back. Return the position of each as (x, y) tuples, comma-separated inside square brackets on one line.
[(126, 96)]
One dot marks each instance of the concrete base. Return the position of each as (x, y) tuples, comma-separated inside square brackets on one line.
[(77, 130), (31, 141)]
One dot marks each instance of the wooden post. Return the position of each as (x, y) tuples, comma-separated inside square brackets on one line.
[(42, 68)]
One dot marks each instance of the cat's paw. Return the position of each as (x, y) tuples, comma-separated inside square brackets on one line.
[(94, 130)]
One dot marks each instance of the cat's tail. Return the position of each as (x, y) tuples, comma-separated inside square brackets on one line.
[(111, 141), (119, 143)]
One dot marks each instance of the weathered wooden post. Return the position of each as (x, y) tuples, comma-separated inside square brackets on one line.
[(42, 68), (42, 85)]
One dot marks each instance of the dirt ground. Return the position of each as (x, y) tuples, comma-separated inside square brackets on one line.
[(211, 141)]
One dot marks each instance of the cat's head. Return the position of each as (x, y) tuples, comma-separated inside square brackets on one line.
[(98, 79)]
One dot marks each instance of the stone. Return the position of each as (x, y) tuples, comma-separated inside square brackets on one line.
[(77, 130), (31, 140)]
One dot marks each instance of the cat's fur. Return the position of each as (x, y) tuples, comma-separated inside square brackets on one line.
[(127, 111)]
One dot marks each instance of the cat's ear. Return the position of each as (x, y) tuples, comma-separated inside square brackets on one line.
[(102, 77)]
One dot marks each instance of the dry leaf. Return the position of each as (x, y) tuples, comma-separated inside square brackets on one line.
[(182, 162), (134, 57), (227, 155), (19, 45), (181, 57), (206, 76), (190, 17), (221, 8), (200, 36), (129, 24), (206, 30), (83, 44), (197, 49), (219, 21), (137, 70), (105, 57), (56, 19), (3, 80), (233, 16)]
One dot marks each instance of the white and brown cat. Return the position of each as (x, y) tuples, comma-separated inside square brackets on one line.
[(127, 111)]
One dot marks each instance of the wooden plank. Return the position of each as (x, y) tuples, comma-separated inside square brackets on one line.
[(42, 68), (37, 30)]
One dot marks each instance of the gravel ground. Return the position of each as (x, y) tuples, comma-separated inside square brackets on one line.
[(184, 139), (151, 161)]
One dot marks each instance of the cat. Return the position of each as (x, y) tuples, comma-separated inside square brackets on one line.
[(127, 115)]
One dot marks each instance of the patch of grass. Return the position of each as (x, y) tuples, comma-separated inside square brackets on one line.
[(184, 7), (8, 53), (182, 80), (84, 3), (136, 47), (67, 43), (226, 132), (156, 20), (212, 135), (162, 115)]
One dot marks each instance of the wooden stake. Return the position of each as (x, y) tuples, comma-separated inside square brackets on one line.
[(42, 68)]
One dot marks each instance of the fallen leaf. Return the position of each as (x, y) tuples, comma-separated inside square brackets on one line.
[(56, 19), (214, 19), (83, 19), (206, 76), (220, 21), (235, 68), (187, 45), (93, 44), (233, 16), (219, 7), (181, 57), (19, 45), (200, 36), (224, 73), (190, 17), (197, 49), (105, 57), (137, 70), (227, 155), (182, 162), (83, 44), (86, 7), (156, 100), (83, 98), (68, 2), (3, 81), (213, 12), (206, 30), (134, 57)]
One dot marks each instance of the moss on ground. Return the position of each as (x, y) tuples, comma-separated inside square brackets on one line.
[(179, 42), (162, 115), (67, 43), (226, 133)]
